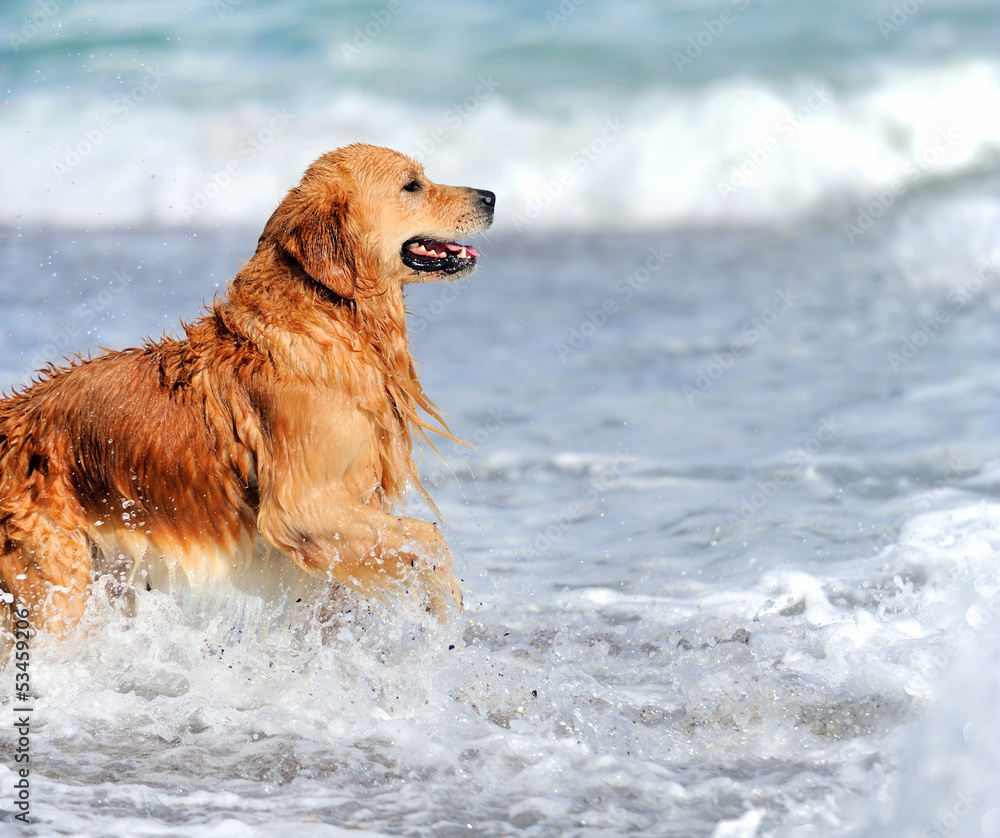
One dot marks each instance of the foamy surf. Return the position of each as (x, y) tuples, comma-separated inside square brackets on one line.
[(725, 614), (735, 151), (620, 713)]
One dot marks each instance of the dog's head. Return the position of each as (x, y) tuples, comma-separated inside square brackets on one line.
[(365, 212)]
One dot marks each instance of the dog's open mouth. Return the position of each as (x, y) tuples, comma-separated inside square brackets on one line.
[(438, 257)]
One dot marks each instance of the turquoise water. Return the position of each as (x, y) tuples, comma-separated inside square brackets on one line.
[(543, 51), (125, 118)]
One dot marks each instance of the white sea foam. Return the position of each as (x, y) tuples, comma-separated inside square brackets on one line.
[(739, 150), (638, 651), (609, 710)]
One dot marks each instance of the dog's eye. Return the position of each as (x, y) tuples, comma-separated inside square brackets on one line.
[(412, 186)]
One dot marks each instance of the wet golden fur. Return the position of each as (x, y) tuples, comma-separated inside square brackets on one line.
[(280, 425)]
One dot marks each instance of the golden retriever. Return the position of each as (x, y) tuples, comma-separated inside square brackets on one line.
[(279, 427)]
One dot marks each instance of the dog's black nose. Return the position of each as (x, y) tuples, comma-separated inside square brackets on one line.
[(487, 199)]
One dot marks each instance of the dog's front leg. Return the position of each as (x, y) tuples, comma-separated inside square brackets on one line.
[(378, 554)]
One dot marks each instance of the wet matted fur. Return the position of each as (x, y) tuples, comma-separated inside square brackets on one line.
[(280, 425)]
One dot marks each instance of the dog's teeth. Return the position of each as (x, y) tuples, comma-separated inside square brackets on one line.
[(462, 254)]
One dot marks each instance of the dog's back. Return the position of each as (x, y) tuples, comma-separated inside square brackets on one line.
[(126, 457)]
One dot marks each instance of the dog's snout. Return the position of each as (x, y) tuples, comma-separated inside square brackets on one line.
[(487, 199)]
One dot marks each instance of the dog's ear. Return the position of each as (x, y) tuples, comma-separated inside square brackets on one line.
[(313, 233)]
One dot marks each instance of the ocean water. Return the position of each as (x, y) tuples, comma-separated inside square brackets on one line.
[(729, 531)]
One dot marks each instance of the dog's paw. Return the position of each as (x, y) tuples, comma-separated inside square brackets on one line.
[(433, 584)]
